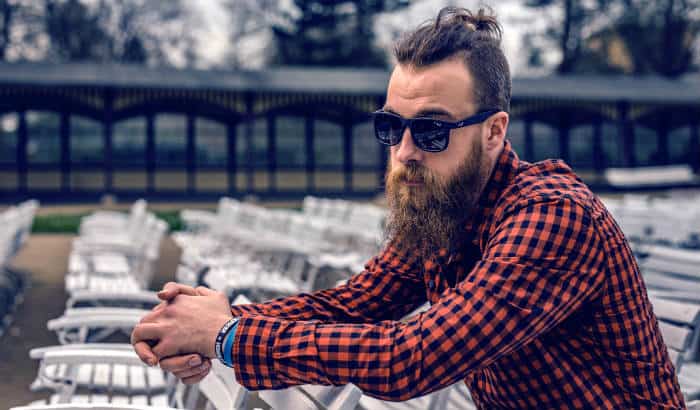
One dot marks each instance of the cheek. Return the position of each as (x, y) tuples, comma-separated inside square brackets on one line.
[(445, 163)]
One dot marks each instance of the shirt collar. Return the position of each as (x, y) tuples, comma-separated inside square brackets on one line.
[(502, 175)]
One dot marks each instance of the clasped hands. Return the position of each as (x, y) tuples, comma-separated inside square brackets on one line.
[(179, 334)]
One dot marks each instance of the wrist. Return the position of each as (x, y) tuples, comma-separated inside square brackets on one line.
[(223, 340)]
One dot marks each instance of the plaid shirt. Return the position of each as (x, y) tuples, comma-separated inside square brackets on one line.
[(543, 307)]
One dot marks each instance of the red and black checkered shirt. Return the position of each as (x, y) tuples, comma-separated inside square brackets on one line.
[(546, 309)]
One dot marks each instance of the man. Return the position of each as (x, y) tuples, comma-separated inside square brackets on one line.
[(536, 299)]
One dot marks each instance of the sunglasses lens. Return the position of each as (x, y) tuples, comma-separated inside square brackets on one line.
[(387, 128), (430, 135)]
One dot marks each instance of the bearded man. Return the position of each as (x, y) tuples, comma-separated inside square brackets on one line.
[(536, 299)]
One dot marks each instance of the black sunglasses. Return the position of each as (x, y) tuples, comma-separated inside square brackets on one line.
[(428, 134)]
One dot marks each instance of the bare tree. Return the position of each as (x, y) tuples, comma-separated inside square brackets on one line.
[(310, 32), (21, 29), (135, 31), (250, 19), (658, 36)]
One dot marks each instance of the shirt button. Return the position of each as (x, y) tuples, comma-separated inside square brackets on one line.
[(431, 284)]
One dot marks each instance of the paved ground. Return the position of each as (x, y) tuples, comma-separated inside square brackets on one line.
[(44, 259)]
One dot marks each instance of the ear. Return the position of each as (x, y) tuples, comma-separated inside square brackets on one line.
[(496, 128)]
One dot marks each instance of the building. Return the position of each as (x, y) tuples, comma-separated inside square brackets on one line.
[(74, 132)]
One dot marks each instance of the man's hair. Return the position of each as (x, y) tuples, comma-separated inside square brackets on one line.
[(476, 38)]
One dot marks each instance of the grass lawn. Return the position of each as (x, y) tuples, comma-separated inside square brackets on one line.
[(69, 223)]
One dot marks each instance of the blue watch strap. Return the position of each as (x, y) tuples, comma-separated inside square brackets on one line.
[(222, 337), (228, 345)]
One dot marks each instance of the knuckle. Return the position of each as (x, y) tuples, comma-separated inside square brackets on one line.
[(167, 365), (161, 349), (168, 311)]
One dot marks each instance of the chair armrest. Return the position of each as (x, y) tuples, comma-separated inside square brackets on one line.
[(90, 406), (88, 296)]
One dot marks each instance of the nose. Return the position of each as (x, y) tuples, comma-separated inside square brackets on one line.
[(406, 150)]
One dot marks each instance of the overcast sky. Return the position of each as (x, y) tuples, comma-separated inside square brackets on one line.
[(515, 18)]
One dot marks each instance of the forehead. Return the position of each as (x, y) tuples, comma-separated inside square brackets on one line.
[(446, 85)]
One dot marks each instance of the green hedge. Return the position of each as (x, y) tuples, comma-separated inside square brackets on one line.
[(69, 223)]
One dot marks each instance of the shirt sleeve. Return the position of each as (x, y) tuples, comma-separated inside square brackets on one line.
[(389, 288), (540, 265)]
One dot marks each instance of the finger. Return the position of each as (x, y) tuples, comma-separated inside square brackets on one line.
[(152, 316), (205, 291), (195, 371), (172, 289), (175, 364), (195, 379), (160, 306), (146, 331), (143, 351)]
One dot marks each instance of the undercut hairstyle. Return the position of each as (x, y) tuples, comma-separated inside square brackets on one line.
[(476, 39)]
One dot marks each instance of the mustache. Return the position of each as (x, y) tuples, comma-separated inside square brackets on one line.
[(411, 171)]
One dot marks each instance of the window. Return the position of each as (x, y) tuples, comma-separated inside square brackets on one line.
[(43, 145), (365, 148), (613, 147), (8, 138), (259, 148), (680, 150), (211, 143), (171, 139), (516, 136), (646, 146), (545, 141), (129, 142), (581, 147), (291, 140), (328, 143), (86, 141)]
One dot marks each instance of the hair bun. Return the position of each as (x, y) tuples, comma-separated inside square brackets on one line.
[(484, 21)]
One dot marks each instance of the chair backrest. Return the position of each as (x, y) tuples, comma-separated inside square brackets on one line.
[(680, 327), (649, 176), (221, 389), (138, 207), (228, 211), (311, 206), (94, 324), (10, 222), (218, 391), (137, 215), (87, 298), (334, 397), (27, 210), (367, 217), (681, 262), (671, 269), (191, 268), (90, 406)]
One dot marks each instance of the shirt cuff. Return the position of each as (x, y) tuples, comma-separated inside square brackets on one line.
[(252, 353), (262, 359)]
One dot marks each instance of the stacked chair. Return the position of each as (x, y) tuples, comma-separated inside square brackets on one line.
[(248, 250), (110, 266), (115, 252), (679, 323), (665, 235), (94, 366), (671, 221), (251, 252), (82, 374), (16, 224), (245, 248)]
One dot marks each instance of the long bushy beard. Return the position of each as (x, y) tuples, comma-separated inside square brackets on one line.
[(432, 215)]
